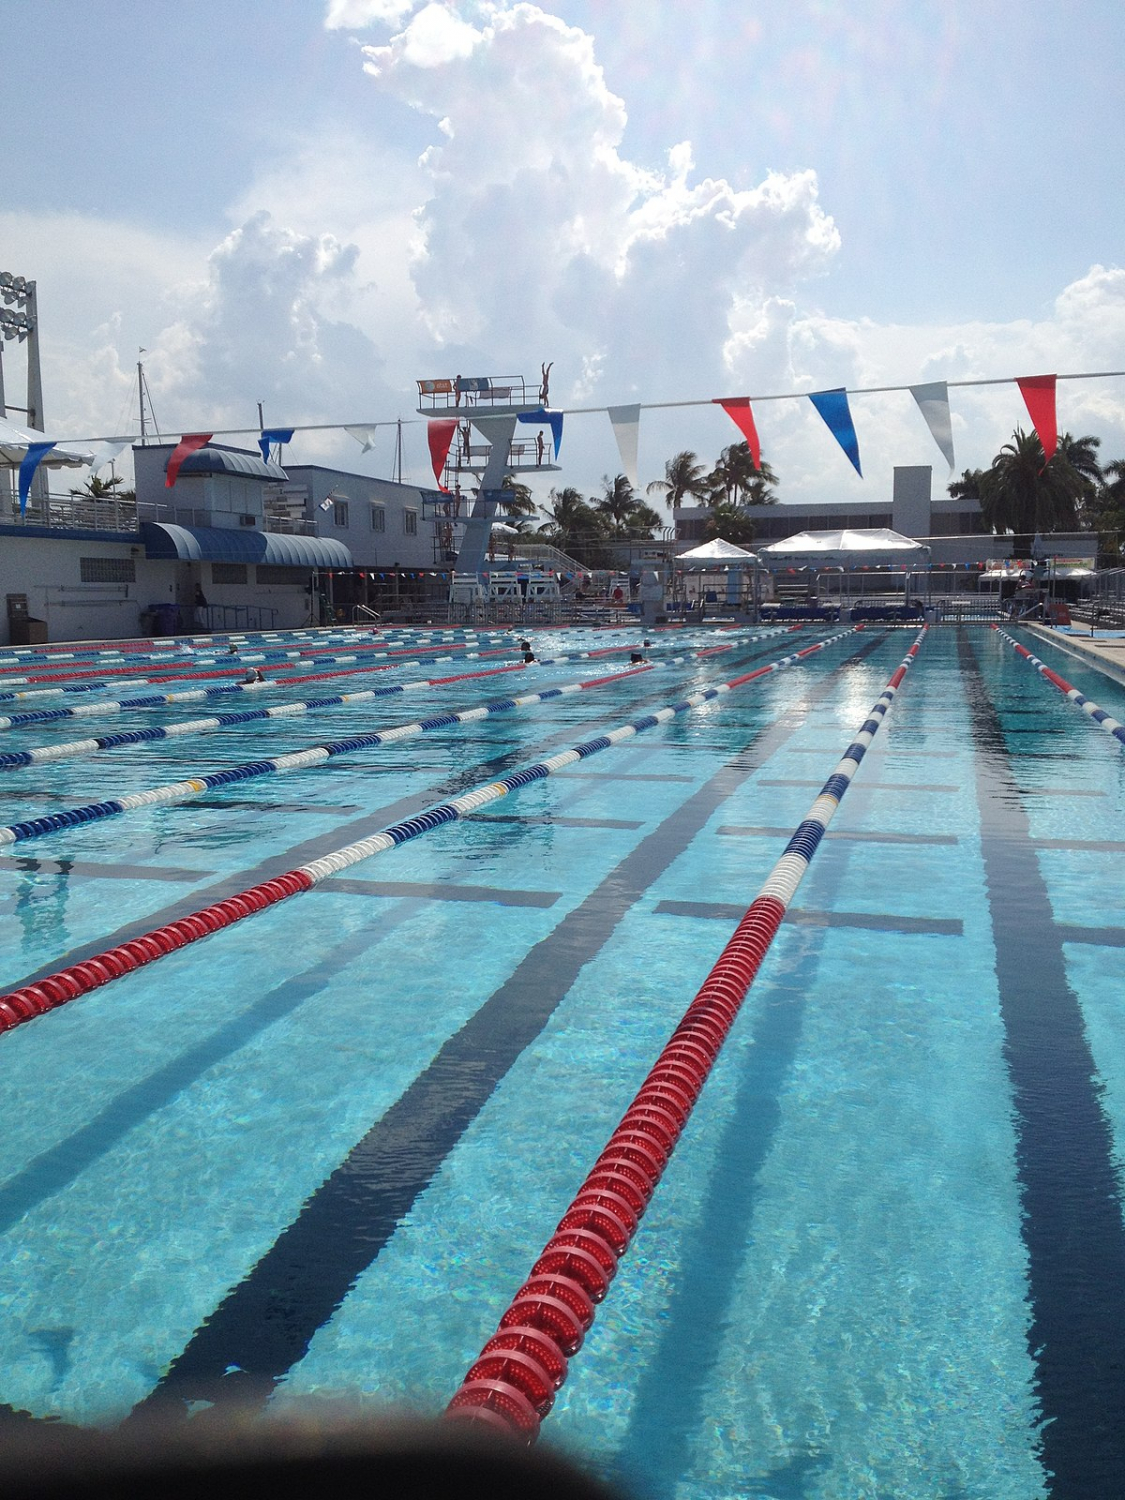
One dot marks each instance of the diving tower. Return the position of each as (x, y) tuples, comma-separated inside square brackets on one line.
[(484, 411)]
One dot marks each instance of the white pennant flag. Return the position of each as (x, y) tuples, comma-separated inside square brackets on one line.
[(106, 452), (933, 403), (626, 422), (362, 435)]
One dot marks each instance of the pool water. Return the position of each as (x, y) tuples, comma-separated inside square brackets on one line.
[(309, 1160)]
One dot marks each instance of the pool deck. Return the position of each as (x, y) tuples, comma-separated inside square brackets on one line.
[(1106, 653)]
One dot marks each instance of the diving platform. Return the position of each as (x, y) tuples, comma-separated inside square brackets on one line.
[(472, 423)]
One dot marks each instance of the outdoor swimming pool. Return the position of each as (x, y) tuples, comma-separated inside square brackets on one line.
[(311, 1158)]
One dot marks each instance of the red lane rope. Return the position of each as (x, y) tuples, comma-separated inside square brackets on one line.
[(67, 984), (510, 1386)]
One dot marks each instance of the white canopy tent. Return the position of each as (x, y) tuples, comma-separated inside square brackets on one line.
[(15, 441), (864, 545), (717, 554), (726, 566)]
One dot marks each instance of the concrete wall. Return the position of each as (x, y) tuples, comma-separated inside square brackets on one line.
[(394, 545), (49, 572), (910, 500)]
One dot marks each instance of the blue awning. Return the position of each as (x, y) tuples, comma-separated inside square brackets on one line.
[(227, 544)]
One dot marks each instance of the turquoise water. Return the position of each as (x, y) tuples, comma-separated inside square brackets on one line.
[(834, 1292)]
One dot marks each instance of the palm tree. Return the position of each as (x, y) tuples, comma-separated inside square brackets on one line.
[(1108, 513), (1021, 493), (103, 489), (618, 501), (968, 486), (572, 523), (730, 523), (737, 480), (622, 513), (519, 505), (683, 475)]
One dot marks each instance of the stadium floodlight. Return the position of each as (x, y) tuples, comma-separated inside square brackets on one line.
[(15, 288)]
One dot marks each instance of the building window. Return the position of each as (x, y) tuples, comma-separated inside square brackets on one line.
[(107, 570), (228, 572), (410, 522), (340, 513), (275, 573), (378, 518)]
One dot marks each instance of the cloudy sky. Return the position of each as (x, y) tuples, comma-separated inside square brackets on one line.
[(313, 203)]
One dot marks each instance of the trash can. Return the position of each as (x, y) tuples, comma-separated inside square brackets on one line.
[(23, 629)]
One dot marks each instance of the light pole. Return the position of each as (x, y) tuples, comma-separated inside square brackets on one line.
[(23, 324)]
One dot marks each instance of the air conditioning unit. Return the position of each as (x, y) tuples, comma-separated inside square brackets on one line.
[(247, 520)]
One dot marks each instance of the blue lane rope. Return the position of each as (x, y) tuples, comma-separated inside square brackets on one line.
[(316, 755)]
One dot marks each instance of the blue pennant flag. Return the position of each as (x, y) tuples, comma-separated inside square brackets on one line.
[(833, 407), (273, 435), (553, 419), (36, 453)]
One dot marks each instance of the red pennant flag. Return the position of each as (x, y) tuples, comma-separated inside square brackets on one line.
[(439, 435), (738, 410), (1039, 396), (189, 443)]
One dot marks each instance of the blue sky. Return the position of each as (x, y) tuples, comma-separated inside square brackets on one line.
[(670, 204)]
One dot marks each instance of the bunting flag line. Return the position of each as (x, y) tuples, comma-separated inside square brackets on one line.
[(553, 419), (363, 435), (1038, 393), (191, 442), (738, 410), (933, 403), (439, 435), (626, 424), (276, 435), (36, 453), (833, 407)]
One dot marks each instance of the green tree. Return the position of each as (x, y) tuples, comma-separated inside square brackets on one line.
[(1021, 493), (623, 514), (735, 479), (730, 523), (1107, 514), (683, 475), (968, 486), (520, 506), (103, 489), (572, 524)]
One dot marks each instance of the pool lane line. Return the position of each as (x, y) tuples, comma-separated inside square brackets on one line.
[(79, 979), (1087, 705), (1065, 1163), (181, 791), (160, 700), (512, 1384), (265, 1324), (38, 755)]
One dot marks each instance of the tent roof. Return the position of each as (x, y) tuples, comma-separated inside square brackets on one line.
[(849, 543), (716, 551), (15, 441)]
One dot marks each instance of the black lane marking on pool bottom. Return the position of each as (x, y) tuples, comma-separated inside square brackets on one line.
[(724, 911), (1098, 937), (734, 830), (436, 890), (267, 1322), (59, 1165), (1072, 1211), (22, 864), (1087, 846), (870, 786), (556, 820)]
